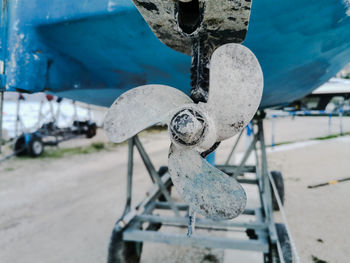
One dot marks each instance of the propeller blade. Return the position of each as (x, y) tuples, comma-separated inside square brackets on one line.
[(140, 108), (236, 85), (206, 189)]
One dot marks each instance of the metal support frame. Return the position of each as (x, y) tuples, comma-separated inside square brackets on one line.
[(156, 179), (146, 212), (234, 148)]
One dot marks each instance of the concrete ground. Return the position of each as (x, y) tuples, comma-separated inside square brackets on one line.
[(63, 209)]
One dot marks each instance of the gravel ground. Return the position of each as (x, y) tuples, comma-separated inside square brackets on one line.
[(63, 209)]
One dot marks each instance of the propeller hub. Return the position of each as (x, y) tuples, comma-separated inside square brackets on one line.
[(188, 127)]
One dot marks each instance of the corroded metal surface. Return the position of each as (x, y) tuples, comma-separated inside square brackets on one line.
[(140, 108), (236, 84), (187, 126), (221, 21), (209, 191)]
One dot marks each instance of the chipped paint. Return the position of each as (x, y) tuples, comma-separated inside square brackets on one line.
[(347, 6), (2, 66), (221, 21), (66, 39), (111, 5), (114, 5)]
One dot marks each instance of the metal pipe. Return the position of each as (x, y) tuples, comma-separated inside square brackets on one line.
[(151, 196), (341, 120), (202, 222), (156, 178), (266, 190), (89, 112), (129, 176), (165, 205), (196, 240), (234, 147), (229, 169), (245, 157), (75, 115), (284, 217), (258, 172)]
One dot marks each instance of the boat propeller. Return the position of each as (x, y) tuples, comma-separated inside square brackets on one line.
[(235, 89)]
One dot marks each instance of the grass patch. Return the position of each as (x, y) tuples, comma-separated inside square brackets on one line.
[(62, 152), (9, 169), (328, 137), (98, 145), (55, 152), (331, 136)]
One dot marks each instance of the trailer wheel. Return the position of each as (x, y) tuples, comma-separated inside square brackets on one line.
[(286, 247), (278, 179), (35, 146), (121, 251), (91, 130), (20, 147)]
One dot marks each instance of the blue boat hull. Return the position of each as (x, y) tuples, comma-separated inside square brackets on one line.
[(93, 51)]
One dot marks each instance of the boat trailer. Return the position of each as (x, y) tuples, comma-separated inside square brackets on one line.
[(144, 222)]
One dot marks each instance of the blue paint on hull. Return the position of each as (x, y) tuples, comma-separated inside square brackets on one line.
[(300, 45), (93, 51)]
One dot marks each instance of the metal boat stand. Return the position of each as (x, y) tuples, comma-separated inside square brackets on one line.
[(141, 224)]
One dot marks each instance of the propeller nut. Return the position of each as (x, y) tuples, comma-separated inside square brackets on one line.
[(187, 127)]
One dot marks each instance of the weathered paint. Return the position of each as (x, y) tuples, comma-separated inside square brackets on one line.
[(221, 22), (98, 49), (3, 41), (347, 5)]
